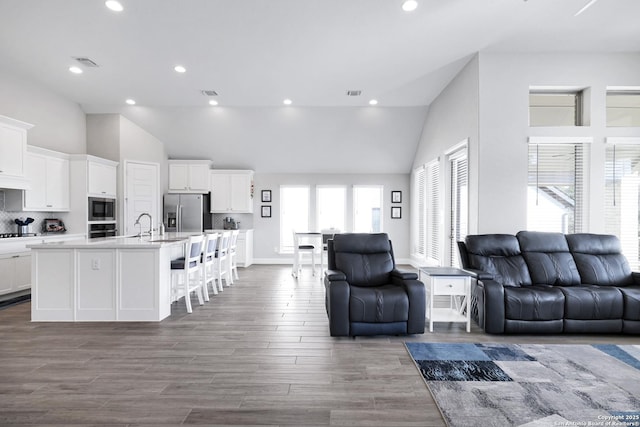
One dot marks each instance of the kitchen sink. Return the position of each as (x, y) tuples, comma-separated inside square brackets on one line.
[(165, 240)]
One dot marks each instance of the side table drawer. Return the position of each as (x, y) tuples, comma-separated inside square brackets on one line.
[(449, 286)]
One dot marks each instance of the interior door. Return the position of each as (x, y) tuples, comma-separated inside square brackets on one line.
[(142, 183)]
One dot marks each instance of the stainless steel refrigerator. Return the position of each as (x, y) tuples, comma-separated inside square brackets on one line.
[(187, 212)]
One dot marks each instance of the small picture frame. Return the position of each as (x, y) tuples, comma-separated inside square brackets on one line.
[(396, 212), (54, 225), (266, 196), (265, 211), (396, 197)]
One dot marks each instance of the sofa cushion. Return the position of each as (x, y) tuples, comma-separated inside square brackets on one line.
[(533, 303), (548, 258), (591, 302), (381, 304), (498, 255), (631, 302), (599, 259)]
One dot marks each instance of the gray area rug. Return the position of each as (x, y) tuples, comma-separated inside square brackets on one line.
[(532, 385)]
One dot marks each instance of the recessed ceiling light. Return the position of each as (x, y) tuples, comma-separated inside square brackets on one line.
[(75, 70), (373, 102), (213, 102), (287, 102), (114, 5), (409, 5), (180, 69), (130, 102)]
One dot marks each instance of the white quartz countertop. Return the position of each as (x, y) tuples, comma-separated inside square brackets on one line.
[(121, 242)]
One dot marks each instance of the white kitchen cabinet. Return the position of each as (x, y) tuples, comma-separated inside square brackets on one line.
[(244, 248), (102, 177), (16, 272), (189, 176), (48, 172), (13, 148), (231, 191)]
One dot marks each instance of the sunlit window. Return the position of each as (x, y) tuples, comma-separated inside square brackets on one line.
[(331, 204), (367, 206), (294, 214), (556, 187)]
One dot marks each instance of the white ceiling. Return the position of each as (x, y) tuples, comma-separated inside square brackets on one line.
[(255, 53)]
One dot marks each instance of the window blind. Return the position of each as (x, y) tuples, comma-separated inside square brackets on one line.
[(420, 212), (556, 190), (622, 197), (434, 229), (459, 202)]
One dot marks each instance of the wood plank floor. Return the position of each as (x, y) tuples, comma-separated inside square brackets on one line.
[(257, 354)]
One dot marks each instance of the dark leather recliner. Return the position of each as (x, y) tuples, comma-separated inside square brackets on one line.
[(365, 293)]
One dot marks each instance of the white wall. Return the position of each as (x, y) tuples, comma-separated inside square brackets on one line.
[(267, 230), (501, 171), (59, 124), (453, 118)]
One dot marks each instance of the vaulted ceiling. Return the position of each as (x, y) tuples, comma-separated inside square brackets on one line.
[(256, 53)]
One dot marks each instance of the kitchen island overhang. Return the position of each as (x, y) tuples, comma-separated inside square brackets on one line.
[(121, 279)]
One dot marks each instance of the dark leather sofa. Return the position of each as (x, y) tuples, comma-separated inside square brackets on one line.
[(365, 293), (536, 282)]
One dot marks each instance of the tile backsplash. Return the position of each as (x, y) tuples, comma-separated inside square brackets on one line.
[(7, 224)]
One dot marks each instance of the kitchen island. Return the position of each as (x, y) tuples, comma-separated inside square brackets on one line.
[(107, 279)]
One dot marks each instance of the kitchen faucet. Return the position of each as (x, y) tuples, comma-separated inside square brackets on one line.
[(150, 224)]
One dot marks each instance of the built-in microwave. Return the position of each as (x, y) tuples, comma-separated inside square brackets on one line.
[(102, 209)]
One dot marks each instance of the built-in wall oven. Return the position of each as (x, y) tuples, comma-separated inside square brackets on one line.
[(105, 229), (102, 209)]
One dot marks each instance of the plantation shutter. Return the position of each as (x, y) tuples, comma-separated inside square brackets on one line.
[(433, 210), (622, 197), (459, 202), (420, 213), (556, 192)]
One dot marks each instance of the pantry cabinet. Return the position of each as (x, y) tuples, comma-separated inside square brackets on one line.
[(189, 176), (231, 191)]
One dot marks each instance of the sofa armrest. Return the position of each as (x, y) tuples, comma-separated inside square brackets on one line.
[(404, 275), (334, 275), (337, 293), (491, 306), (417, 306), (479, 274)]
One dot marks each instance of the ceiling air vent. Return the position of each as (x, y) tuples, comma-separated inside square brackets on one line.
[(86, 62), (354, 92), (209, 93)]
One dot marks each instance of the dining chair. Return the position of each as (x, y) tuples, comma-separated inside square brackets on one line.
[(299, 250), (185, 273)]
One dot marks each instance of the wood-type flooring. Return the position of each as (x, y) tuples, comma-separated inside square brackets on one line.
[(257, 354)]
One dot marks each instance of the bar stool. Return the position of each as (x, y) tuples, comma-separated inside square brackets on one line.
[(208, 264), (185, 273), (298, 252), (233, 265), (222, 263)]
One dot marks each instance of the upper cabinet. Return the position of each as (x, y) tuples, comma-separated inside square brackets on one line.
[(48, 172), (101, 177), (13, 148), (189, 176), (231, 191)]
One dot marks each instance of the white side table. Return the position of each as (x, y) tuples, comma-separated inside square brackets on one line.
[(452, 282)]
